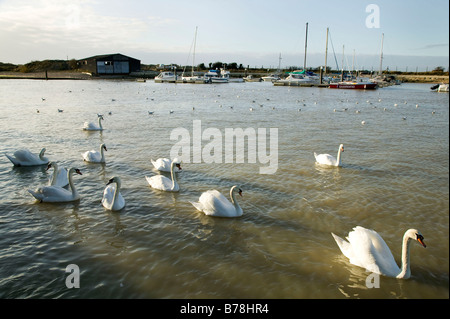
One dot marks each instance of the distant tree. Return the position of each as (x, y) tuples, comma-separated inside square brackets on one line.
[(438, 69), (217, 65), (201, 66)]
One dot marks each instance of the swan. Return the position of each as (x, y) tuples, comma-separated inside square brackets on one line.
[(89, 126), (163, 183), (327, 159), (366, 249), (164, 164), (57, 194), (94, 156), (59, 176), (213, 203), (112, 198), (26, 158)]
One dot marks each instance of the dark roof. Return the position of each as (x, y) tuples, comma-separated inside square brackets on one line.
[(110, 56)]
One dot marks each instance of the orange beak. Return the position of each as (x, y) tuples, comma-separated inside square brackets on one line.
[(420, 240)]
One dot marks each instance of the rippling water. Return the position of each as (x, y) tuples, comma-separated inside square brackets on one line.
[(394, 177)]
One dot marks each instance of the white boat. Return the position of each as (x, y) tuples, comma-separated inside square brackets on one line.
[(214, 76), (165, 77), (299, 77), (271, 78), (443, 88), (251, 78)]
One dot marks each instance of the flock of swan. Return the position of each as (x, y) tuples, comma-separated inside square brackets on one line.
[(364, 247)]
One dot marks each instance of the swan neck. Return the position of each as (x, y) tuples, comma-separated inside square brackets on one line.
[(41, 154), (338, 161), (405, 269), (100, 122), (55, 173), (173, 175), (233, 198), (102, 152), (116, 192), (69, 177)]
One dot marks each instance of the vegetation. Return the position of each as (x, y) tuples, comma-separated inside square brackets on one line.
[(71, 65)]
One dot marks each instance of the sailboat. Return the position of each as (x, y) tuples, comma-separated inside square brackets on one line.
[(193, 78)]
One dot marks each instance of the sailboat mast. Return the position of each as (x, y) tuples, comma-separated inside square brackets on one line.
[(193, 55), (381, 54), (279, 64), (326, 53), (306, 45)]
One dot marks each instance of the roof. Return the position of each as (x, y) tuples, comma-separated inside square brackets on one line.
[(109, 56)]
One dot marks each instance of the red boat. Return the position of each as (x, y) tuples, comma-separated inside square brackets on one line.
[(364, 85)]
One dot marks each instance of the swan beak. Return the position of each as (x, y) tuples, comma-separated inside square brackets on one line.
[(110, 181), (420, 240), (240, 192), (78, 171), (48, 167), (179, 166)]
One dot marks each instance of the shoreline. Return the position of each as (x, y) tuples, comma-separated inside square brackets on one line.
[(64, 75)]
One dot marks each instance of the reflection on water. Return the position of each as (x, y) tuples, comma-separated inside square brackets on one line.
[(394, 176)]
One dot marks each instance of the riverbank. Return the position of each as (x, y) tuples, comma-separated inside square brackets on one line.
[(72, 75), (423, 78)]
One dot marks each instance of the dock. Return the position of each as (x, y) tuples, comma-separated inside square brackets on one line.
[(320, 85)]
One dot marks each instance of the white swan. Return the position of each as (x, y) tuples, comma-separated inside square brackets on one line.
[(163, 164), (89, 126), (94, 156), (366, 249), (327, 159), (213, 203), (59, 176), (112, 198), (163, 183), (26, 158), (57, 194)]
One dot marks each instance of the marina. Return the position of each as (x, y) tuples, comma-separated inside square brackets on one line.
[(393, 176)]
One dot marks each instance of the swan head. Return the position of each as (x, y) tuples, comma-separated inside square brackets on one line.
[(113, 180), (50, 165), (104, 147), (240, 192), (100, 116), (416, 235), (341, 147)]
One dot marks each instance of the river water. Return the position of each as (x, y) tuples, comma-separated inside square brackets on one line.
[(394, 176)]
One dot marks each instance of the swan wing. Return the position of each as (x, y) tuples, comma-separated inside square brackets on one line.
[(215, 204), (61, 179), (92, 156), (89, 126), (162, 164), (325, 159), (161, 182), (371, 252), (108, 199), (26, 158), (52, 194)]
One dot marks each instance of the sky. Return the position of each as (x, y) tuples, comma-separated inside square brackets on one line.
[(253, 33)]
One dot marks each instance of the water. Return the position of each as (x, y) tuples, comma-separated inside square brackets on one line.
[(394, 177)]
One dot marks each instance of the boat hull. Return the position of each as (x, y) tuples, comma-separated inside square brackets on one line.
[(355, 86)]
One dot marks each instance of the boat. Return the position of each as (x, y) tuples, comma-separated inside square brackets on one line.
[(251, 78), (271, 78), (216, 76), (359, 84), (299, 77), (166, 77), (193, 78), (443, 87)]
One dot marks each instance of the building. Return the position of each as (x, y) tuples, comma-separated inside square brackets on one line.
[(110, 64)]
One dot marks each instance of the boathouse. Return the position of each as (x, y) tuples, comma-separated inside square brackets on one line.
[(110, 64)]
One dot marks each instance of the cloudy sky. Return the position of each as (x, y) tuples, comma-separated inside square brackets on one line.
[(251, 32)]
